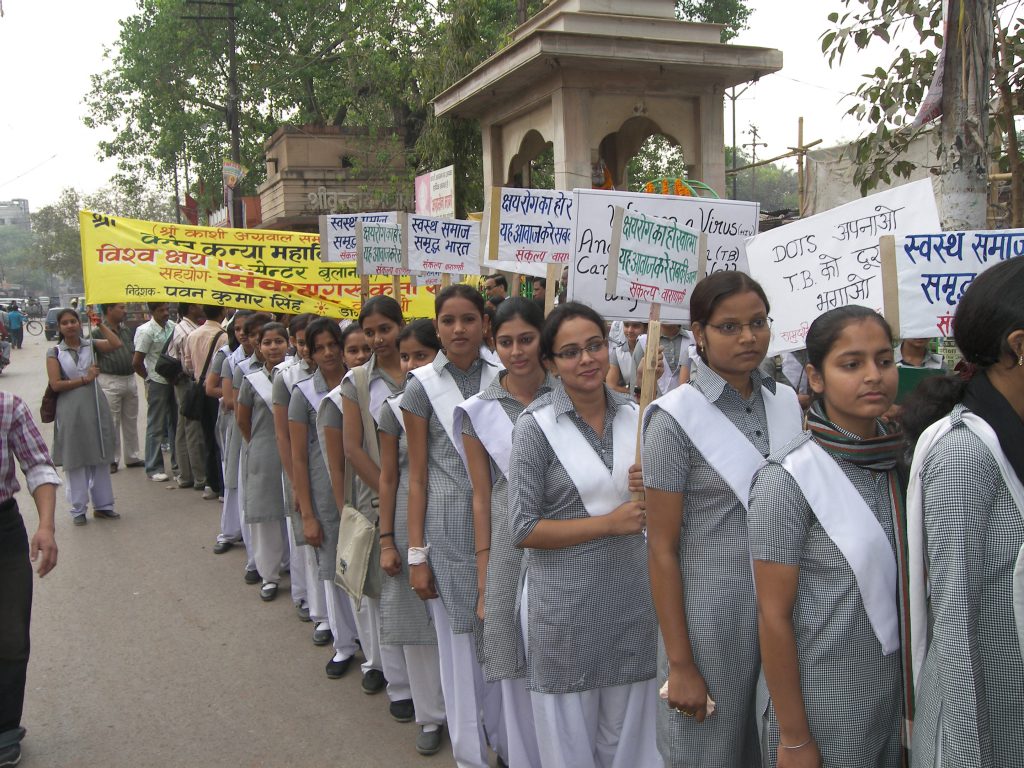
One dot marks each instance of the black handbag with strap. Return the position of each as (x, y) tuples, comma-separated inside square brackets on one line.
[(169, 367), (194, 402)]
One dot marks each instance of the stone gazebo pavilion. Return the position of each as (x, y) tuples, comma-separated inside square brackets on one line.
[(596, 78)]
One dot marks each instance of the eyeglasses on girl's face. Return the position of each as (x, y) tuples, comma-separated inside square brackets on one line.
[(760, 325), (574, 352)]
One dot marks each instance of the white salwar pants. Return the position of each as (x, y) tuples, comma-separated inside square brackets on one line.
[(250, 562), (463, 684), (517, 716), (85, 481), (421, 661), (296, 565), (389, 659), (339, 615), (609, 727), (230, 519), (268, 549), (316, 589)]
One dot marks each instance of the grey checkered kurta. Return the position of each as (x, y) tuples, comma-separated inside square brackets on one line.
[(264, 492), (971, 689), (404, 619), (281, 395), (364, 496), (714, 559), (220, 432), (590, 617), (449, 521), (235, 373), (326, 511), (237, 377), (852, 692), (504, 657)]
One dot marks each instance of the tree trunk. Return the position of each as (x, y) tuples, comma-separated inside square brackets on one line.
[(963, 180)]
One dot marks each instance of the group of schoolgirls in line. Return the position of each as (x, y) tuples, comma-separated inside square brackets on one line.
[(776, 598)]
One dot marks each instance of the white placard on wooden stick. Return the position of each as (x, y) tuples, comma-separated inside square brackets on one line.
[(727, 224), (432, 244), (531, 226), (338, 233), (933, 270), (379, 249), (833, 259)]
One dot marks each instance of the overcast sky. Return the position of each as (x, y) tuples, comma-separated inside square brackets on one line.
[(48, 50)]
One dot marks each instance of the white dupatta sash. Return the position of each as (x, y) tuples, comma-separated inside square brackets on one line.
[(493, 427), (917, 557), (444, 393), (721, 444), (308, 388), (853, 527), (395, 404), (261, 383), (379, 392), (67, 362), (600, 490)]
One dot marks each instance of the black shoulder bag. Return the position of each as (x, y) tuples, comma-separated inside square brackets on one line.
[(169, 367), (194, 402)]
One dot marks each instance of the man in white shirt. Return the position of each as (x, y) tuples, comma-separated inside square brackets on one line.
[(150, 339)]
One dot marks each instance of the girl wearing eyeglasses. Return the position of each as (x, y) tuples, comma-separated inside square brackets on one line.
[(442, 555), (703, 442), (825, 523), (586, 611), (484, 425)]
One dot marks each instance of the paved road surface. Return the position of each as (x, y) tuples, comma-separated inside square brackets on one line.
[(149, 650)]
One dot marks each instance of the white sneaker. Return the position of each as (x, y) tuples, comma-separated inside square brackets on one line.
[(159, 477)]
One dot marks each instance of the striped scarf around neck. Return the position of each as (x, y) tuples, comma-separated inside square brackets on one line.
[(879, 454)]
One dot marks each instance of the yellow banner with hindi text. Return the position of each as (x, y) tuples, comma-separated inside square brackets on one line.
[(144, 261)]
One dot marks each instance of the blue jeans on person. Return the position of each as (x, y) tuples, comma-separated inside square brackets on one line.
[(159, 427)]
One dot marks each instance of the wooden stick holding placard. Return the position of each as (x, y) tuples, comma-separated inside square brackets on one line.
[(551, 291), (653, 267), (364, 279), (890, 282), (396, 288)]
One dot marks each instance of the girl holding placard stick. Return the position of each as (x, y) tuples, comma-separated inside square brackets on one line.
[(484, 429), (586, 612), (441, 557), (703, 442), (825, 525)]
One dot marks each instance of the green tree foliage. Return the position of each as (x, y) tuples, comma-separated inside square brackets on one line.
[(657, 158), (889, 98), (774, 186), (57, 245), (163, 94), (733, 14)]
